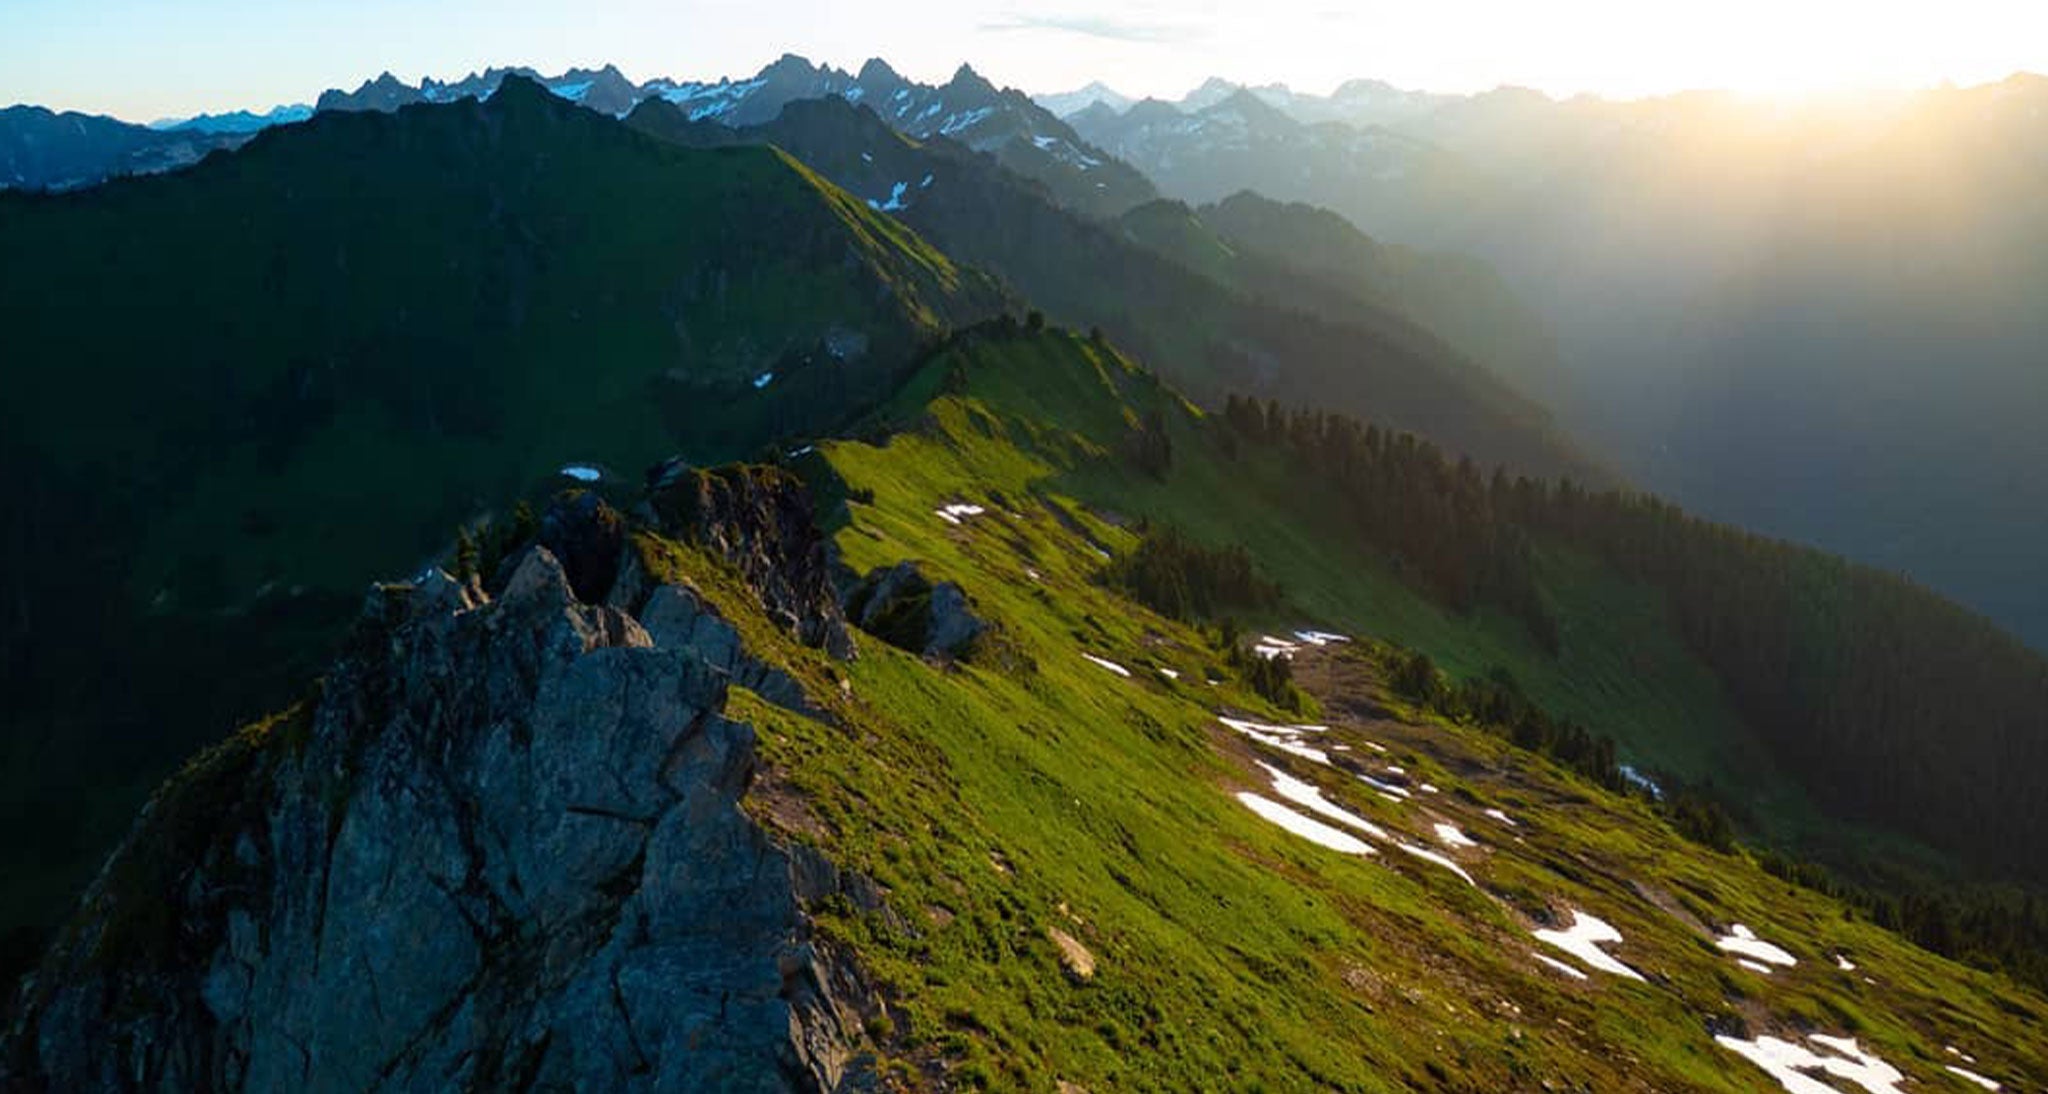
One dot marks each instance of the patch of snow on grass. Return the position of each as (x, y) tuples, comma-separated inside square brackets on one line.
[(1741, 940), (1270, 647), (763, 380), (1108, 664), (1314, 831), (1972, 1076), (958, 511), (1636, 778), (1790, 1063), (1427, 855), (1398, 793), (1757, 967), (582, 472), (1307, 795), (1450, 836), (1170, 674), (1281, 738), (1569, 970), (1583, 941), (926, 184), (1501, 817), (895, 202), (1320, 638), (1844, 964)]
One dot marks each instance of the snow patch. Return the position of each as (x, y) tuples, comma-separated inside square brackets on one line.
[(1569, 970), (1843, 963), (958, 512), (1427, 855), (1320, 638), (1583, 940), (1108, 664), (1450, 836), (1397, 793), (763, 380), (1281, 738), (1971, 1076), (1502, 817), (1636, 778), (1790, 1062), (1312, 830), (1757, 967), (1741, 940), (1270, 647), (1308, 796), (582, 472), (1170, 674)]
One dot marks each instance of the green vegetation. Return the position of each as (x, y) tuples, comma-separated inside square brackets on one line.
[(1177, 577), (1850, 675), (1212, 317), (239, 393), (996, 805)]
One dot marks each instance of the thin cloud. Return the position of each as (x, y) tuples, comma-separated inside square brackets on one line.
[(1095, 26)]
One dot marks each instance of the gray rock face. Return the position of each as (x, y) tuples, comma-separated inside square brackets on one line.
[(760, 520), (505, 849), (904, 608)]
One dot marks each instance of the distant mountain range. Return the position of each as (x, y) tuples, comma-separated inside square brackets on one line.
[(43, 150), (1023, 136), (235, 121), (1363, 103), (1821, 320)]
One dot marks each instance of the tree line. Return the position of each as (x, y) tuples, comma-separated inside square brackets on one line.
[(1892, 704)]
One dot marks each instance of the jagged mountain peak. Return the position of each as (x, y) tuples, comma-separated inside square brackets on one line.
[(966, 80), (789, 64)]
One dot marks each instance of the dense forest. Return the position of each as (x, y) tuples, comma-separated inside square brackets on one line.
[(1892, 705)]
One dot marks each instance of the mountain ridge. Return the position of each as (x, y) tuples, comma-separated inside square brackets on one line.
[(1094, 821)]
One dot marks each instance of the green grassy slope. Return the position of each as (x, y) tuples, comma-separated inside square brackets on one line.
[(1622, 669), (1031, 791), (237, 394)]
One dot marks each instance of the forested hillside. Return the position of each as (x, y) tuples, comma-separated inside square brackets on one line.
[(1891, 704)]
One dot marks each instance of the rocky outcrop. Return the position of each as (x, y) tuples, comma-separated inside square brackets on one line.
[(761, 520), (901, 606), (504, 848)]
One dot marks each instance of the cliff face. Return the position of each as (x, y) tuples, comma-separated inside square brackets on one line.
[(503, 848)]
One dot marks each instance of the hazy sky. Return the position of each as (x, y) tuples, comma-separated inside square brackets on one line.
[(144, 59)]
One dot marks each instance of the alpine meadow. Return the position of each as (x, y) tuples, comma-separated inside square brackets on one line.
[(1363, 575)]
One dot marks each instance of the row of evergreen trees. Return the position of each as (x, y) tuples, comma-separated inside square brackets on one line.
[(1891, 704), (1439, 520), (1177, 577)]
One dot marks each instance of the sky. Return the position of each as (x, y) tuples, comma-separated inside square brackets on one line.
[(148, 59)]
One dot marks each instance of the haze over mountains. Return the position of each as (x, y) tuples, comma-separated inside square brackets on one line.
[(1815, 319), (880, 585), (1690, 252)]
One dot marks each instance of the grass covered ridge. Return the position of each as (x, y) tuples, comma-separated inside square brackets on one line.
[(1016, 807)]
